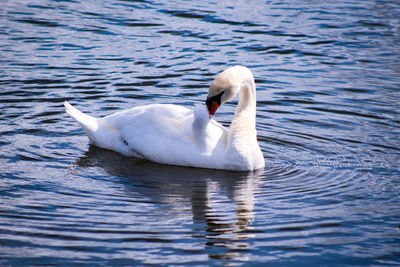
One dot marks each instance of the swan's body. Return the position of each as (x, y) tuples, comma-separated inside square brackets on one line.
[(172, 134)]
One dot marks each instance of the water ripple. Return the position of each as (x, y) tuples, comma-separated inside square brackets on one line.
[(327, 119)]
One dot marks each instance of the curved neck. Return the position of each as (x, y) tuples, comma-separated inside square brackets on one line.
[(247, 99), (243, 125)]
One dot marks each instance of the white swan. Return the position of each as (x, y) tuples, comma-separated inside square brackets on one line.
[(172, 134)]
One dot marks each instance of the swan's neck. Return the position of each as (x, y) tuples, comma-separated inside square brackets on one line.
[(242, 130), (242, 145), (242, 148), (247, 101)]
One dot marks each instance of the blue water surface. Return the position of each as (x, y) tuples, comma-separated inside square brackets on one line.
[(328, 122)]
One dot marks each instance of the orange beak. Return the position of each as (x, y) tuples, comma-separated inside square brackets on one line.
[(212, 107), (213, 103)]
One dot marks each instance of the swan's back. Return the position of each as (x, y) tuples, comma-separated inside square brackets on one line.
[(163, 133)]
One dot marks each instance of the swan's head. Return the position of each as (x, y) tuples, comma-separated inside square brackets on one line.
[(225, 86)]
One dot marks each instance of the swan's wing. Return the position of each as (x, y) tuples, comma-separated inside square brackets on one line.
[(163, 133)]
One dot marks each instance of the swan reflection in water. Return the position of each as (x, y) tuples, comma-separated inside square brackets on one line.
[(221, 202)]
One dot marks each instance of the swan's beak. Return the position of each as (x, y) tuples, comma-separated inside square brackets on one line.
[(213, 103), (212, 107)]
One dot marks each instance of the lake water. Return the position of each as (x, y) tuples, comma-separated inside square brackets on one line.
[(328, 122)]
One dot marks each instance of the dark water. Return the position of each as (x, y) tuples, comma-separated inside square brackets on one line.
[(328, 120)]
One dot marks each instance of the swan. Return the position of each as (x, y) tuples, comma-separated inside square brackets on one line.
[(176, 135)]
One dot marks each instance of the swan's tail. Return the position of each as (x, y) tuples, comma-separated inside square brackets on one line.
[(89, 124)]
